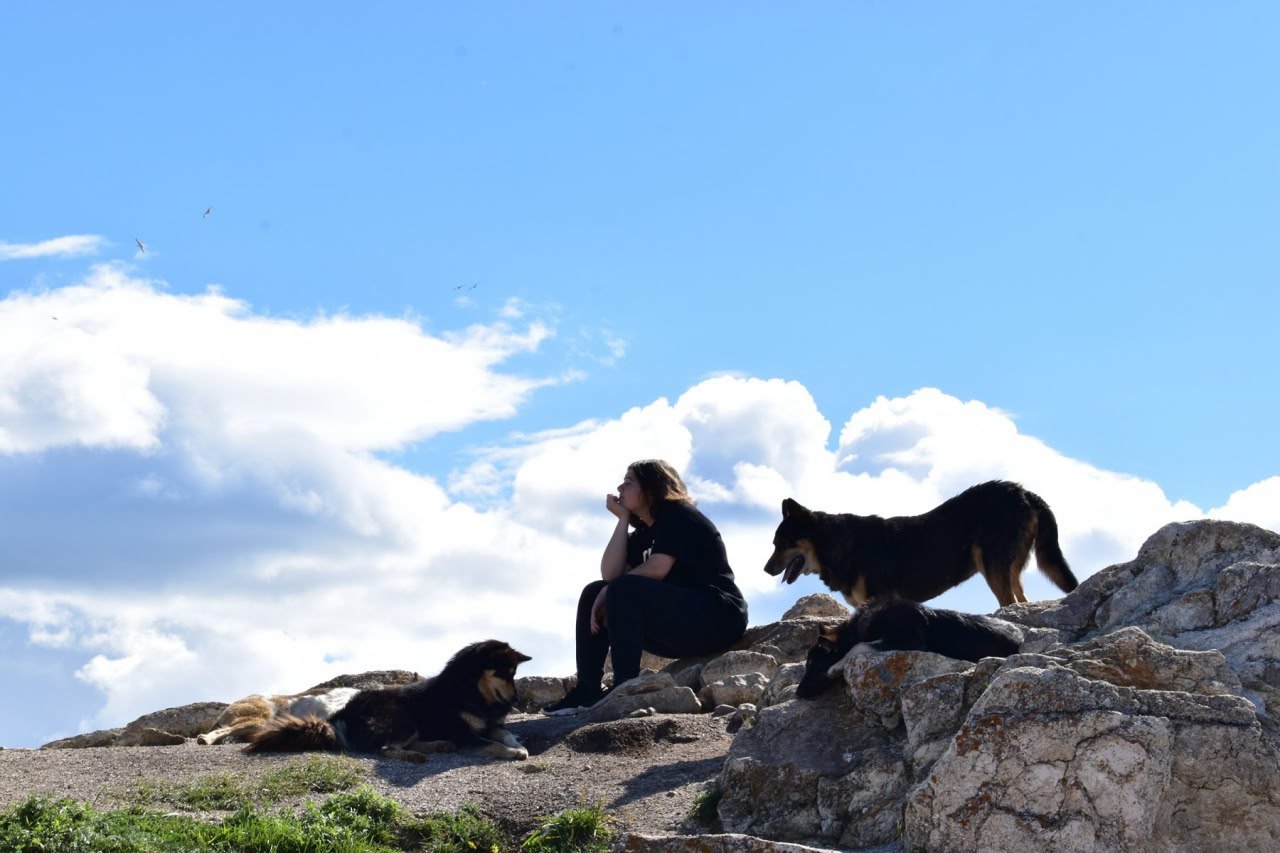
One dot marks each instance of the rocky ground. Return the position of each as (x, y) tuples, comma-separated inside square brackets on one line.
[(645, 772), (1141, 713)]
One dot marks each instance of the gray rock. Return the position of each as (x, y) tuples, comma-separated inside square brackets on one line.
[(535, 691), (633, 842), (1050, 759), (102, 737), (738, 662), (186, 720), (815, 772), (782, 686), (147, 736), (656, 690), (733, 690), (819, 605), (371, 680)]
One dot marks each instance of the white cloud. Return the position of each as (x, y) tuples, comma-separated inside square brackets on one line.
[(71, 245), (125, 360), (232, 531)]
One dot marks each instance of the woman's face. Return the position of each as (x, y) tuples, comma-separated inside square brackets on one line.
[(631, 496)]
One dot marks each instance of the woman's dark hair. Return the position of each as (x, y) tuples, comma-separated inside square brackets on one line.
[(660, 483)]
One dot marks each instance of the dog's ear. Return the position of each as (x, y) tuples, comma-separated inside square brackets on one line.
[(791, 508), (519, 657)]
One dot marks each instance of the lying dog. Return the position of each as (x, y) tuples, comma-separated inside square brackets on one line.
[(464, 707), (892, 625), (988, 529), (244, 715)]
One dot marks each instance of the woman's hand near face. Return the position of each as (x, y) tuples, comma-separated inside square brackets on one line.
[(614, 504)]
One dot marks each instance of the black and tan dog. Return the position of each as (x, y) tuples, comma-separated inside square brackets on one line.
[(465, 707), (888, 625), (988, 529)]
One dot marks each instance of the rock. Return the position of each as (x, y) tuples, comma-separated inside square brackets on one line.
[(372, 680), (876, 681), (147, 736), (815, 772), (656, 690), (535, 691), (782, 686), (734, 690), (631, 736), (819, 605), (1203, 585), (1050, 759), (791, 639), (738, 662), (633, 842), (186, 720), (103, 737)]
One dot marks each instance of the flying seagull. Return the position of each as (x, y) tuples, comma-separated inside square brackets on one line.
[(207, 211), (141, 248)]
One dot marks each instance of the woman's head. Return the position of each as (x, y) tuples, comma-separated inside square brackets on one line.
[(659, 483)]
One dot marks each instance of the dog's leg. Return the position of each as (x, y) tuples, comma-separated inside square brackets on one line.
[(1015, 581), (501, 750), (503, 736), (215, 736)]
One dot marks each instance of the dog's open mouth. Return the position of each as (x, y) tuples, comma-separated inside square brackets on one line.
[(792, 571)]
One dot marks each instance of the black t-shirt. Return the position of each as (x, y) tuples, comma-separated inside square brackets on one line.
[(679, 530)]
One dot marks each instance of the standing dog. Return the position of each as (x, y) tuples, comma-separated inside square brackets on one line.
[(988, 529), (891, 625), (464, 707)]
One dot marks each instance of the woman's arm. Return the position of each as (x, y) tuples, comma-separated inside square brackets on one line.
[(655, 567), (614, 562)]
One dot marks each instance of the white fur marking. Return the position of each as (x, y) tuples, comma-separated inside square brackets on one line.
[(477, 725), (837, 669), (322, 705)]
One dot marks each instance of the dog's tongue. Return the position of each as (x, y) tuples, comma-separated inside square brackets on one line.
[(793, 569)]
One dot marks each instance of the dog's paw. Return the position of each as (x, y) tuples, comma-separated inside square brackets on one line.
[(518, 754)]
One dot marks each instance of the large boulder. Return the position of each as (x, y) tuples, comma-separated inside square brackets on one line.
[(1140, 714), (1204, 585)]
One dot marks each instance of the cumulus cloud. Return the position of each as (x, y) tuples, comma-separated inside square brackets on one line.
[(225, 504), (69, 246)]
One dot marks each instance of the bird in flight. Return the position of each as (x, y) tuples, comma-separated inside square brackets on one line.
[(465, 287), (141, 248), (207, 211)]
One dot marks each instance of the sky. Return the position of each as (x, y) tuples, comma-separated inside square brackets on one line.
[(323, 336)]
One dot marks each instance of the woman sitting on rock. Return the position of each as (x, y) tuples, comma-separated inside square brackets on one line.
[(666, 586)]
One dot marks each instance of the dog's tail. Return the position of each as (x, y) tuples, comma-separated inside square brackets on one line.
[(287, 733), (1048, 554)]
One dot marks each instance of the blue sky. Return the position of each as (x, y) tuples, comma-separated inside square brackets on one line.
[(468, 262)]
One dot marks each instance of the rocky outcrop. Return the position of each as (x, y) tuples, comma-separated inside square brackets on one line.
[(1139, 716)]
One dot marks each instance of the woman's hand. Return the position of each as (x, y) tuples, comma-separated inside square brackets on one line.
[(597, 612), (614, 504)]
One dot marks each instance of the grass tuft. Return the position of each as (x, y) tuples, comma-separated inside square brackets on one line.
[(706, 805), (319, 774), (583, 829)]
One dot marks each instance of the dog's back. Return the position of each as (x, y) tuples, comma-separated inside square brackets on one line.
[(988, 529)]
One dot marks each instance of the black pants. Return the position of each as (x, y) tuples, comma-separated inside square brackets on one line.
[(655, 616)]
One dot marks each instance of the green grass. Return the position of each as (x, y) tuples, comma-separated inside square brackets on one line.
[(319, 774), (360, 821), (582, 830), (706, 805), (349, 821)]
